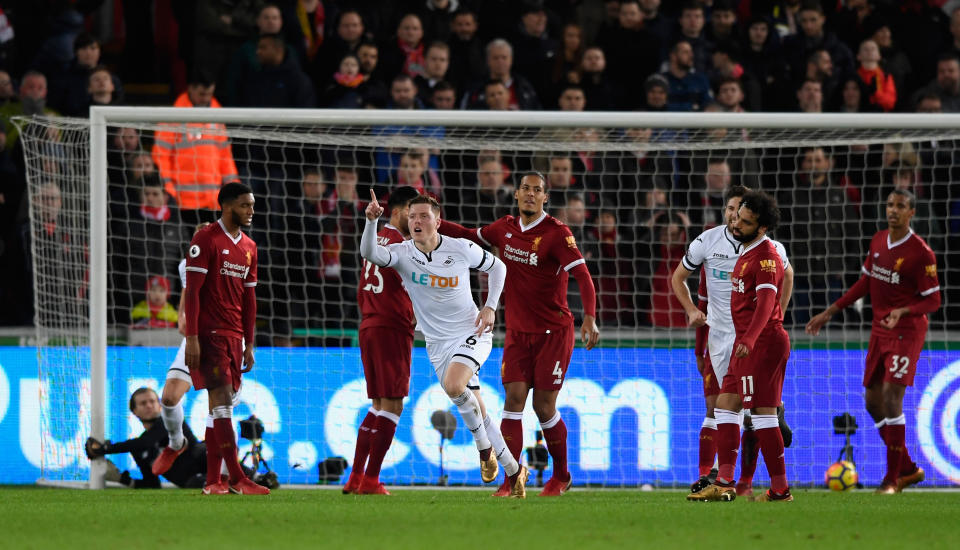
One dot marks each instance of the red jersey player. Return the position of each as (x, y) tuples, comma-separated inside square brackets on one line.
[(221, 308), (754, 379), (539, 251), (900, 275), (386, 345)]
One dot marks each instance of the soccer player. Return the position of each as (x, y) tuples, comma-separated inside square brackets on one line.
[(716, 250), (221, 306), (436, 275), (539, 252), (761, 347), (386, 346), (900, 275)]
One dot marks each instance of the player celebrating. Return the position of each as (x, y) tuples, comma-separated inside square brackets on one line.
[(539, 252), (717, 250), (761, 348), (386, 346), (458, 336), (221, 308), (900, 275)]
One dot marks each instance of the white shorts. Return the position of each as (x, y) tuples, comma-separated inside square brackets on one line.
[(178, 369), (721, 349), (469, 349)]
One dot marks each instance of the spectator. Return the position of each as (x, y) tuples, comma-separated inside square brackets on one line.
[(369, 55), (33, 101), (403, 53), (929, 103), (100, 88), (155, 311), (657, 23), (307, 29), (536, 53), (123, 142), (690, 30), (280, 82), (572, 98), (761, 57), (403, 94), (444, 96), (895, 62), (500, 67), (855, 21), (497, 96), (723, 27), (351, 34), (352, 89), (436, 64), (688, 90), (884, 89), (814, 37), (414, 171), (656, 92), (706, 200), (222, 27), (610, 246), (69, 91), (466, 51), (490, 198), (567, 66), (188, 471), (437, 17), (601, 94), (194, 166), (665, 308), (946, 85), (628, 48), (922, 30), (820, 68), (245, 61), (810, 97), (726, 67), (853, 96), (7, 93), (730, 95), (340, 238)]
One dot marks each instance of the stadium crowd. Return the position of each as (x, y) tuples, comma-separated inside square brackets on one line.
[(632, 212)]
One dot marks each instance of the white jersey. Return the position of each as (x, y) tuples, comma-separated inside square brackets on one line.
[(717, 251), (439, 282), (182, 268)]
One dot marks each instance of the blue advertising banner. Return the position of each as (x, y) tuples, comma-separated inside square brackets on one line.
[(633, 415)]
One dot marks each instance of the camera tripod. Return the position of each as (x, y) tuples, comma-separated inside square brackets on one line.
[(256, 455)]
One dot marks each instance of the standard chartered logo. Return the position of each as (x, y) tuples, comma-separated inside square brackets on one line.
[(939, 408)]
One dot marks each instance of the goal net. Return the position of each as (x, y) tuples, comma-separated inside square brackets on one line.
[(634, 188)]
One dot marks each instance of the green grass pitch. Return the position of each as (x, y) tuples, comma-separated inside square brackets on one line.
[(67, 519)]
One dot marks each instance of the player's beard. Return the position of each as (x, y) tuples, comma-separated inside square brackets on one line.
[(528, 213), (238, 219), (744, 238)]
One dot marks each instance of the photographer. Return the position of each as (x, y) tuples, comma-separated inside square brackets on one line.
[(189, 470)]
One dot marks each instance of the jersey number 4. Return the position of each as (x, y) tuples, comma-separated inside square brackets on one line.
[(558, 372), (374, 270), (900, 364)]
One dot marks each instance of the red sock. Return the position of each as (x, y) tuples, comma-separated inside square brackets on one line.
[(771, 443), (512, 431), (708, 450), (883, 433), (363, 443), (381, 437), (556, 440), (728, 443), (896, 443), (748, 457), (213, 456), (227, 443), (907, 465)]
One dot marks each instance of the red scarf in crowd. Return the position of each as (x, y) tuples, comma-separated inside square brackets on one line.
[(158, 213), (414, 63)]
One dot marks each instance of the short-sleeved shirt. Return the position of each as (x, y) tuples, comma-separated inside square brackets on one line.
[(439, 284), (759, 268), (538, 257), (230, 266), (717, 251), (899, 272), (383, 302)]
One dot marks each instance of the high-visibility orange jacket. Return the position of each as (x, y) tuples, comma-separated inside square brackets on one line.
[(194, 164)]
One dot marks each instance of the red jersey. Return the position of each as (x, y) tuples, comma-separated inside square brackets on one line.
[(899, 274), (538, 258), (229, 265), (757, 268), (383, 301)]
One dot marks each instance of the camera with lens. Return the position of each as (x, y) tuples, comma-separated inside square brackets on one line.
[(251, 428)]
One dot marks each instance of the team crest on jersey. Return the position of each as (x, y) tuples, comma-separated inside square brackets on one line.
[(536, 243), (931, 270), (249, 257), (571, 242), (769, 266), (508, 235), (897, 264)]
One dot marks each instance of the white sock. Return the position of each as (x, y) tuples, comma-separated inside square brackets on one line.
[(469, 409), (173, 422), (504, 456)]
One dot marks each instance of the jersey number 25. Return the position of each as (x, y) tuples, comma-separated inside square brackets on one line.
[(374, 270)]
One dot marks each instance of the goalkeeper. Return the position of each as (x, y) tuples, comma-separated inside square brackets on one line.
[(190, 468)]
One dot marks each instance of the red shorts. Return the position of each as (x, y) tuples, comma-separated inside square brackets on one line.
[(221, 358), (892, 358), (539, 359), (758, 377), (386, 354), (710, 384)]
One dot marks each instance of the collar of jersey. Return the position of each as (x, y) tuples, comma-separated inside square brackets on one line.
[(227, 233), (429, 255), (532, 225), (756, 244), (737, 245), (901, 241)]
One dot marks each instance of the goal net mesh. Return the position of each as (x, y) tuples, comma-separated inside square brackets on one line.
[(633, 197)]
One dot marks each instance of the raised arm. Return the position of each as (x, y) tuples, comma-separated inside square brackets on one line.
[(452, 229), (369, 248)]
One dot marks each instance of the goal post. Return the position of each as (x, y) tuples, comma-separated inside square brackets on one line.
[(631, 405)]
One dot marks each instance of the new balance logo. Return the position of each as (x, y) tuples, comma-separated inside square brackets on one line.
[(225, 251)]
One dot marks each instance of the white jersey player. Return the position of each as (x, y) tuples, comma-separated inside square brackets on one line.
[(436, 275), (716, 251)]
